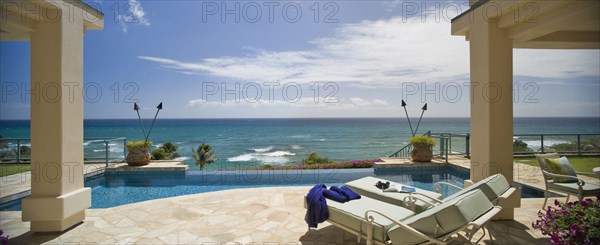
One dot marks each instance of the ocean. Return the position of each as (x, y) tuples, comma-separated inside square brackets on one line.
[(244, 142)]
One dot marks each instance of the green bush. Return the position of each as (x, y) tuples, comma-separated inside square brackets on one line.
[(520, 146), (315, 158), (166, 151), (139, 144), (160, 154), (422, 140)]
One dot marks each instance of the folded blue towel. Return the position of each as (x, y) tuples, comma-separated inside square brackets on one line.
[(334, 195), (341, 192), (350, 193)]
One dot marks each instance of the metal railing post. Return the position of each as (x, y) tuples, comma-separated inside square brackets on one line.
[(542, 141), (106, 152), (468, 145), (124, 148), (18, 151), (579, 144), (447, 145)]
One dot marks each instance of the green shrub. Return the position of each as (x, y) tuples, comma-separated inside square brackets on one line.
[(520, 146), (166, 151), (422, 140), (564, 147), (160, 154), (315, 158)]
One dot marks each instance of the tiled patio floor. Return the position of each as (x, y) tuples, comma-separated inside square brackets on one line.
[(272, 215)]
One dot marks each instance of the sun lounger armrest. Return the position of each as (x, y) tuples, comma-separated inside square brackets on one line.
[(587, 173), (580, 182), (438, 186), (370, 219), (480, 222), (410, 201)]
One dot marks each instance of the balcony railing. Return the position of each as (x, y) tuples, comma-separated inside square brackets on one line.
[(523, 144), (98, 149)]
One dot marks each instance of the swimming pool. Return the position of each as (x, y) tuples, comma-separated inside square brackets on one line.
[(115, 189)]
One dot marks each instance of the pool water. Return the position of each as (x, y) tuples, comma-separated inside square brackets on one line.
[(115, 189)]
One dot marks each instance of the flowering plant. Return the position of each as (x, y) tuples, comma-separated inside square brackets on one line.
[(3, 239), (571, 223)]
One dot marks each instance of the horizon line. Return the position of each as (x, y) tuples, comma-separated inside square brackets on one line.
[(245, 118)]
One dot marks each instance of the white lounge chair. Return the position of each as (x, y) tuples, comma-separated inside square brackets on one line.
[(384, 223), (496, 188)]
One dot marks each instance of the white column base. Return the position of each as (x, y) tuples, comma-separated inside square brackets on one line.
[(56, 213)]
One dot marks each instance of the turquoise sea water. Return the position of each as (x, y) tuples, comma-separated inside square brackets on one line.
[(243, 142)]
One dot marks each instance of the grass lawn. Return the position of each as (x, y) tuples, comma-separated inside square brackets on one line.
[(580, 164), (8, 169)]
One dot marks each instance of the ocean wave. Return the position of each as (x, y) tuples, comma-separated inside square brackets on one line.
[(535, 144), (276, 157), (260, 150), (92, 141), (301, 136), (322, 139), (297, 147), (279, 154), (182, 158)]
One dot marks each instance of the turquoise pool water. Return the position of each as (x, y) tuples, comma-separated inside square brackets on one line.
[(115, 189)]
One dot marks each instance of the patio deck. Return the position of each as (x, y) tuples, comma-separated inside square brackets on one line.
[(260, 215)]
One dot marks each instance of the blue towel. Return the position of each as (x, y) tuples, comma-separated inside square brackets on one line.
[(335, 195), (316, 211), (350, 193), (342, 194)]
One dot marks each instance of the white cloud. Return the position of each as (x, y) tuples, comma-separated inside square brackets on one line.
[(383, 52), (135, 15), (321, 103)]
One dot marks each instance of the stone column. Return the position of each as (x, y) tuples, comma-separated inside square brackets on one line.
[(58, 199), (491, 104)]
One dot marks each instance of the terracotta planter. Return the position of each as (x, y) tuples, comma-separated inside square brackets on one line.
[(421, 153), (138, 156)]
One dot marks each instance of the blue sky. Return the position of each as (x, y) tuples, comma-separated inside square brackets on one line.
[(359, 59)]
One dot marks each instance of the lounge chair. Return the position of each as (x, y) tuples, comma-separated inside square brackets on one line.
[(384, 223), (366, 187), (496, 188), (564, 183)]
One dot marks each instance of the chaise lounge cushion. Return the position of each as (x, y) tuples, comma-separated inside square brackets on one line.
[(442, 219), (493, 187), (352, 215), (366, 187)]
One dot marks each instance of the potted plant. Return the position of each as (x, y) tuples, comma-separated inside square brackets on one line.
[(138, 153), (422, 148)]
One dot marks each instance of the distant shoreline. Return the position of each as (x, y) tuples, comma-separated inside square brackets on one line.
[(301, 118)]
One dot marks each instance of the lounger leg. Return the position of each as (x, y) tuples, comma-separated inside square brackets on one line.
[(370, 231), (545, 199), (568, 195)]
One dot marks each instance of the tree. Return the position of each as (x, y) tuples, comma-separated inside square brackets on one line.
[(167, 151), (203, 155)]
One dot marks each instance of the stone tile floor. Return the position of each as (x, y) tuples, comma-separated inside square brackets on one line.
[(271, 215)]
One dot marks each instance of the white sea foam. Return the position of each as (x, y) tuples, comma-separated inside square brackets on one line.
[(322, 139), (242, 158), (301, 136), (276, 157), (536, 144), (279, 154), (182, 158), (259, 150), (297, 147)]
